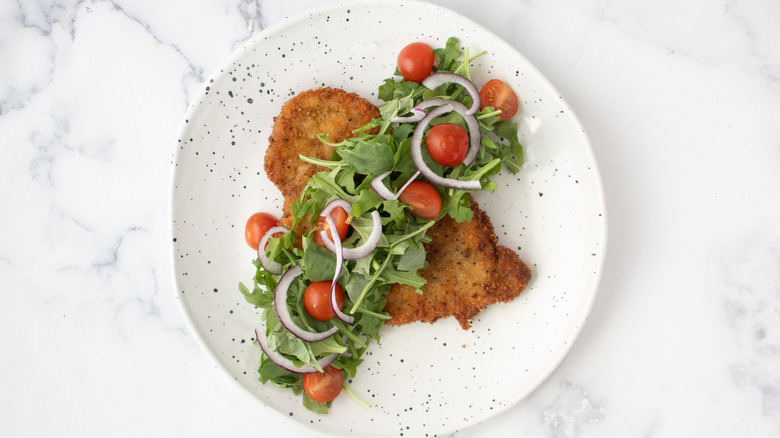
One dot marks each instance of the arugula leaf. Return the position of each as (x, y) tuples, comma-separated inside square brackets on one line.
[(412, 259)]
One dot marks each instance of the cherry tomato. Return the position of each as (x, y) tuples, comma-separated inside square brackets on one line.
[(256, 227), (447, 144), (415, 62), (424, 199), (497, 94), (324, 387), (316, 300), (339, 218)]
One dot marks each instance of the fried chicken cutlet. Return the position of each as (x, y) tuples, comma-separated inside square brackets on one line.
[(467, 269), (302, 118)]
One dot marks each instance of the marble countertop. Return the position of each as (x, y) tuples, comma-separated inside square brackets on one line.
[(681, 102)]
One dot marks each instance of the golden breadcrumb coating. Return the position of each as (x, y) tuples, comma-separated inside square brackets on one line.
[(467, 270)]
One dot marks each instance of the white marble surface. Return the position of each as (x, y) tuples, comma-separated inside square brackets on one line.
[(681, 101)]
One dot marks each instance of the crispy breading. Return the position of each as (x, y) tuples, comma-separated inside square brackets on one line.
[(467, 270), (302, 118)]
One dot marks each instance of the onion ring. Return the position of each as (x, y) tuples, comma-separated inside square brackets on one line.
[(268, 264), (339, 265), (437, 79), (384, 192), (287, 364), (363, 250), (417, 157), (283, 312)]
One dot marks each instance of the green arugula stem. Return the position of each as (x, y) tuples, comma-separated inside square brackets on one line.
[(347, 332), (371, 282), (349, 391), (383, 316), (485, 169), (320, 162), (490, 114), (422, 229)]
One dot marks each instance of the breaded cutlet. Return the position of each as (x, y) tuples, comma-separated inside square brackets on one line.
[(302, 118), (467, 268)]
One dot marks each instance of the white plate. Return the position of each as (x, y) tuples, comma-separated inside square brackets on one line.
[(422, 379)]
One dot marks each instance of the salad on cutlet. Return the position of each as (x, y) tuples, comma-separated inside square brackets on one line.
[(366, 216)]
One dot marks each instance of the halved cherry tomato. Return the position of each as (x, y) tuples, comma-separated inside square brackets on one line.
[(423, 198), (316, 300), (339, 218), (256, 227), (447, 144), (324, 387), (415, 62), (497, 94)]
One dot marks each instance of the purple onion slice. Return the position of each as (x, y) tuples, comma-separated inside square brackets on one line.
[(338, 202), (437, 79), (475, 134), (417, 157), (268, 264), (363, 250), (339, 265), (287, 364), (283, 312), (417, 115), (381, 189)]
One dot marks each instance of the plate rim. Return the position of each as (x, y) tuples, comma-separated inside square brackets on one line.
[(584, 311)]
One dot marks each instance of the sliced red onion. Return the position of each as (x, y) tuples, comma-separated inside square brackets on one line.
[(339, 265), (287, 363), (417, 157), (283, 312), (475, 134), (418, 114), (268, 264), (381, 189), (338, 202), (419, 110), (363, 250), (437, 79)]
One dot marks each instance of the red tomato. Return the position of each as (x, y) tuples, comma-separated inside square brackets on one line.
[(423, 198), (324, 387), (316, 300), (256, 226), (447, 144), (415, 62), (497, 94), (339, 218)]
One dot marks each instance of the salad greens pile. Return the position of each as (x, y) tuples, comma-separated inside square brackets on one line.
[(378, 146)]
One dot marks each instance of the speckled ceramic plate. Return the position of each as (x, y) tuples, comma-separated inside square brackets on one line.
[(422, 379)]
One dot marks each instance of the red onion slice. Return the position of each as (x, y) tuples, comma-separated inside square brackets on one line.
[(333, 204), (417, 157), (287, 363), (419, 110), (339, 265), (283, 312), (268, 264), (437, 79), (475, 134), (363, 250), (381, 189), (417, 115)]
